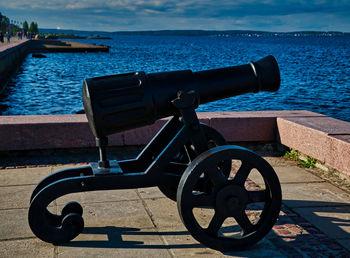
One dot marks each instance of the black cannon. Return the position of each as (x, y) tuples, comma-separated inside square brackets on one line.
[(190, 162)]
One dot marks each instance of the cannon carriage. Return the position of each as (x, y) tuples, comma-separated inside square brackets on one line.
[(190, 162)]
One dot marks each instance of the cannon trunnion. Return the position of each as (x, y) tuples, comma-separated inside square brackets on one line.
[(190, 162)]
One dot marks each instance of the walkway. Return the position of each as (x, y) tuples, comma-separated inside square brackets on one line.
[(13, 42), (314, 221)]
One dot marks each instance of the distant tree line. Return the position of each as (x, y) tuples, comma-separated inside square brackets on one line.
[(33, 28), (13, 26)]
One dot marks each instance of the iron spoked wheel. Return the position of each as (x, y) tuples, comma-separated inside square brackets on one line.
[(189, 153), (237, 213)]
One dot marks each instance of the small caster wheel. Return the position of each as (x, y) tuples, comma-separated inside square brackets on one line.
[(189, 153), (237, 213), (72, 226), (72, 207)]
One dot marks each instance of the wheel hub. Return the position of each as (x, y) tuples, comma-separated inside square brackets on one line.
[(231, 200)]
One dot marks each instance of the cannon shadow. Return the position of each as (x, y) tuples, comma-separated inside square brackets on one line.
[(292, 234), (115, 238)]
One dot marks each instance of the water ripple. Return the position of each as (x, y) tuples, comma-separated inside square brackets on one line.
[(315, 72)]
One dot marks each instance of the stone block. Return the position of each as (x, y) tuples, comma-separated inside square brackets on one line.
[(309, 141), (14, 224), (143, 135), (115, 241), (14, 197), (323, 138), (287, 175), (23, 176), (99, 197), (313, 194), (333, 221), (324, 124), (26, 248), (339, 153), (245, 129)]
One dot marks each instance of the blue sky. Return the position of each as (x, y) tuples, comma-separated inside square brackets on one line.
[(115, 15)]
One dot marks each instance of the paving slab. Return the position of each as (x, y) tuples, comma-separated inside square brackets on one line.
[(99, 197), (263, 248), (67, 166), (333, 221), (287, 175), (23, 176), (164, 213), (15, 196), (150, 193), (166, 218), (118, 214), (26, 248), (14, 224), (313, 194), (114, 241), (279, 161)]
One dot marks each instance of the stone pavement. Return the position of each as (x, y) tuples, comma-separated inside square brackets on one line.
[(13, 42), (314, 220)]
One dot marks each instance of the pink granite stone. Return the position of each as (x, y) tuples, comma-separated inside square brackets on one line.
[(307, 140), (47, 132), (236, 129), (42, 119), (321, 137), (116, 139), (142, 135), (251, 125), (252, 114), (322, 143), (339, 153), (324, 124)]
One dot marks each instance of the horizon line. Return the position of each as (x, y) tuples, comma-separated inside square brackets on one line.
[(202, 30)]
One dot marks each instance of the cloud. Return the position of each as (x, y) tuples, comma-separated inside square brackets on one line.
[(201, 8), (186, 14)]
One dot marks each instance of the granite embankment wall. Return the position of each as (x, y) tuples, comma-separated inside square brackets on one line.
[(10, 59), (12, 55), (321, 137)]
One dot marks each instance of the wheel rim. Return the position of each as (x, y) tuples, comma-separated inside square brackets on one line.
[(188, 153), (229, 200)]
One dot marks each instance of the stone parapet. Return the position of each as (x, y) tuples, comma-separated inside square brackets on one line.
[(11, 57), (321, 137), (13, 54)]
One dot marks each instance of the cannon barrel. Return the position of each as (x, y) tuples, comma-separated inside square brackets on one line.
[(120, 102)]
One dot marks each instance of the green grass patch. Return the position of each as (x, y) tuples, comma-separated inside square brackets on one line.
[(293, 155), (309, 162)]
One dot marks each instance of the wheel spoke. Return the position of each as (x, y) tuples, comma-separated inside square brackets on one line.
[(215, 224), (244, 222), (201, 200), (242, 174), (190, 152), (216, 176), (258, 196)]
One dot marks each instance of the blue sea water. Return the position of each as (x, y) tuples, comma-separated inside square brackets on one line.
[(315, 71)]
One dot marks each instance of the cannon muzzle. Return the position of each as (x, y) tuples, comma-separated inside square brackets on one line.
[(120, 102)]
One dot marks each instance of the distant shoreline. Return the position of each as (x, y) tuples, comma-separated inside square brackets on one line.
[(105, 35), (71, 36)]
